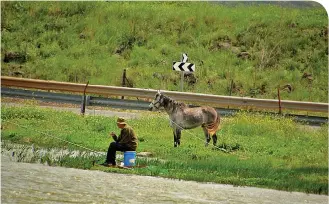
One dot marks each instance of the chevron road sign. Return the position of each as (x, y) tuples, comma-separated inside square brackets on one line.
[(183, 66)]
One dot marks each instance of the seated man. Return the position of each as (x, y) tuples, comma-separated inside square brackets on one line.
[(127, 141)]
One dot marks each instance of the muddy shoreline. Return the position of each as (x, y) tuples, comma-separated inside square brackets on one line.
[(39, 183)]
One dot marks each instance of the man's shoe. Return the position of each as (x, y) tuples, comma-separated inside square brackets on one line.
[(108, 164)]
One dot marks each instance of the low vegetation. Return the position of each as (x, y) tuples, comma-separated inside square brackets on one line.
[(239, 49), (260, 150)]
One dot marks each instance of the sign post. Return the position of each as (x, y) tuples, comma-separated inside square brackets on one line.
[(183, 67), (184, 59)]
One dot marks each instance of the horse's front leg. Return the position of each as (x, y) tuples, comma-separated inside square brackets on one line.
[(175, 138), (177, 135)]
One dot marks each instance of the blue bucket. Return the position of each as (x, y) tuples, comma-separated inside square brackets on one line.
[(129, 158)]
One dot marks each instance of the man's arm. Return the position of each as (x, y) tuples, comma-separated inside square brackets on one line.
[(115, 138), (122, 135)]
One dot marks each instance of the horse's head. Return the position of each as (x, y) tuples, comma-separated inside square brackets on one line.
[(157, 102)]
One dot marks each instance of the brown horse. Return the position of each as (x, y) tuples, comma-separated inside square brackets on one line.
[(182, 117)]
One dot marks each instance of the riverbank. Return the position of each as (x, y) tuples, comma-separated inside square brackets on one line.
[(260, 151), (37, 183)]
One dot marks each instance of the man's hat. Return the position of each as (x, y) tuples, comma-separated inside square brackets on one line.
[(121, 121)]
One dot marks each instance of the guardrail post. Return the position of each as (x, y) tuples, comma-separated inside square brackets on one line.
[(123, 83), (83, 105), (280, 111)]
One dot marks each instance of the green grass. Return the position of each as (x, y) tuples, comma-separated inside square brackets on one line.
[(263, 151), (95, 41)]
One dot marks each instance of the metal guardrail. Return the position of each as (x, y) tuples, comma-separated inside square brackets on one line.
[(214, 100), (74, 99), (126, 104)]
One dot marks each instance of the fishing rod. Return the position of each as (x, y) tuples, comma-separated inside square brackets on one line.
[(63, 140)]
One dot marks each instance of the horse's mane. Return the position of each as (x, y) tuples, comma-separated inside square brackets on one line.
[(175, 103)]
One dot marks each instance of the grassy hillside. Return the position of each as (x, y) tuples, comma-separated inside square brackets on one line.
[(240, 50)]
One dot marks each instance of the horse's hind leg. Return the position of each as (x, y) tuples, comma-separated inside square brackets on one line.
[(214, 139), (177, 135), (207, 136)]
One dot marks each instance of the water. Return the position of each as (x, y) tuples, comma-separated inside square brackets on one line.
[(38, 183), (29, 154)]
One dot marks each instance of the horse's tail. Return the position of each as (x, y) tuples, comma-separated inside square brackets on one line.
[(214, 126)]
